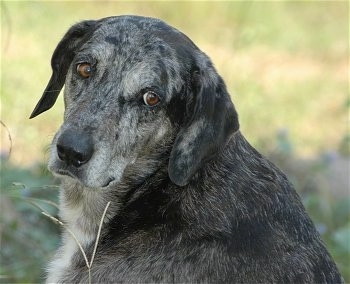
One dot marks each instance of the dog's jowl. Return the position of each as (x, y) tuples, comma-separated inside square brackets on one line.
[(150, 127)]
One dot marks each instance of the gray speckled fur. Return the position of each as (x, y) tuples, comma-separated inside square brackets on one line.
[(191, 200)]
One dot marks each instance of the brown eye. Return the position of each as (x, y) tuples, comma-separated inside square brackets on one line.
[(84, 70), (150, 98)]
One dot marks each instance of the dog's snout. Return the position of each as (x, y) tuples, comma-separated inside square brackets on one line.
[(74, 147)]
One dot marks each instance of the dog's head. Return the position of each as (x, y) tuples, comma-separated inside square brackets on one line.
[(135, 88)]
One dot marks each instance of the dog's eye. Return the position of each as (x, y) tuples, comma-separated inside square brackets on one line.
[(151, 98), (84, 70)]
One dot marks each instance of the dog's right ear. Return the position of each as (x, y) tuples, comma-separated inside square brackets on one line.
[(209, 124), (60, 62)]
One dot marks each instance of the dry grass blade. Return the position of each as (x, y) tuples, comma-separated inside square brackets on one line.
[(9, 137), (31, 200), (71, 233), (99, 233), (88, 264)]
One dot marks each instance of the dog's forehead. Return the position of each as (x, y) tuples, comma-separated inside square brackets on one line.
[(131, 31), (137, 25)]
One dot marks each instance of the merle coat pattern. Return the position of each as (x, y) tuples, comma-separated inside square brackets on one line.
[(191, 200)]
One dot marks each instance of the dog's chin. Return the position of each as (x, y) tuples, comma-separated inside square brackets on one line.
[(107, 183), (89, 185), (72, 177)]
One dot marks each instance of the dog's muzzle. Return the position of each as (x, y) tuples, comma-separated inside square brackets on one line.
[(74, 147)]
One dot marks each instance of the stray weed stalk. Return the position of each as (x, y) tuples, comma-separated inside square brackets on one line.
[(87, 262)]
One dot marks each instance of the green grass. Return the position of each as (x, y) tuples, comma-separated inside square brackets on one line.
[(27, 237), (285, 65)]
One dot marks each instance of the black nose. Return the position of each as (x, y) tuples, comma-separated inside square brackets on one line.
[(74, 147)]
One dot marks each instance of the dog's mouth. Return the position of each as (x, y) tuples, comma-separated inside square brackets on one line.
[(75, 176), (109, 182), (64, 173)]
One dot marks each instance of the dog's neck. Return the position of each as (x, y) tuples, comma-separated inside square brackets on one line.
[(81, 208)]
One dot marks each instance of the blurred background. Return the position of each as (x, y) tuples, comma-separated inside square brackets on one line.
[(285, 65)]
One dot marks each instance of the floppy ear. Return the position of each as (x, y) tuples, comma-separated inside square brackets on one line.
[(211, 121), (60, 62)]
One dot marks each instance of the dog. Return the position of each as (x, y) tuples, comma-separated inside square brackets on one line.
[(149, 126)]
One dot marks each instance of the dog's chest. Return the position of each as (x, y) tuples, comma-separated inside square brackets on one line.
[(61, 261), (73, 234)]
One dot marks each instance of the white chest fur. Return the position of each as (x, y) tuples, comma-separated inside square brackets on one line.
[(63, 257), (75, 222)]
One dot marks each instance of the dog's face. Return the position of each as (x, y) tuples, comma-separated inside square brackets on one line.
[(136, 89)]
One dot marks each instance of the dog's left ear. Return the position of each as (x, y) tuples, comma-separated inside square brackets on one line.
[(60, 62), (211, 120)]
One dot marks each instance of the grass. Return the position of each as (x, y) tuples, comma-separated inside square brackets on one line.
[(285, 65), (27, 238)]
